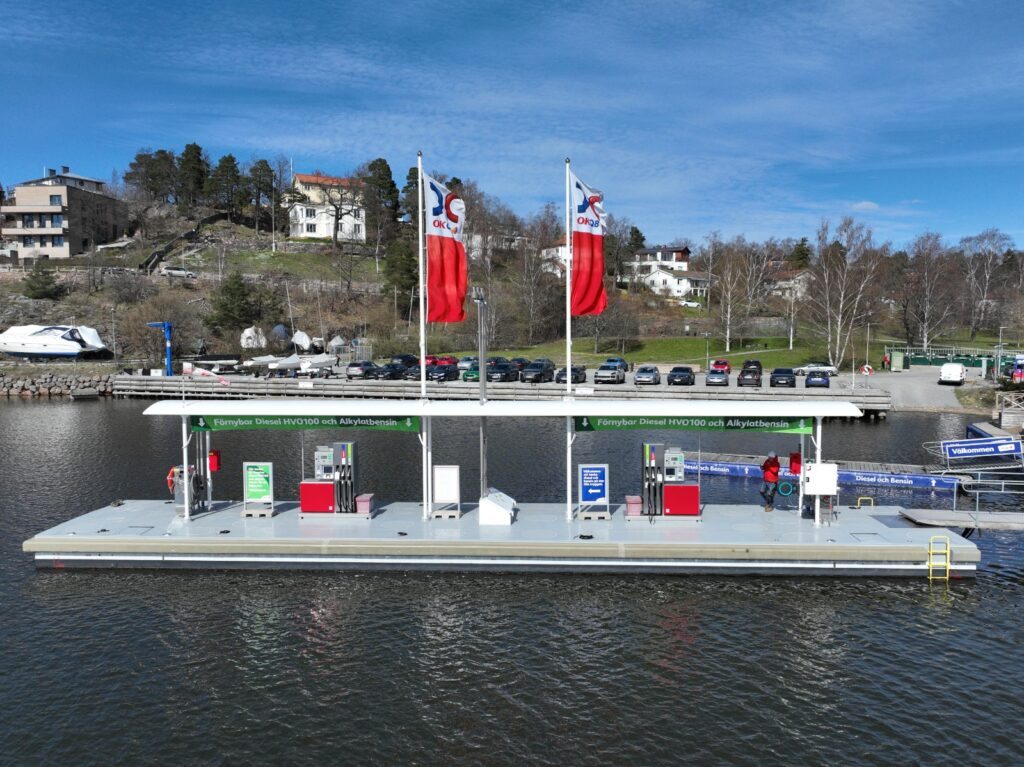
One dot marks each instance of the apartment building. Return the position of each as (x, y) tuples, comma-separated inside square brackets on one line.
[(61, 215), (317, 198)]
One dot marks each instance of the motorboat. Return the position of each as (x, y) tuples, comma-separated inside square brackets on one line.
[(49, 340), (317, 362), (288, 363)]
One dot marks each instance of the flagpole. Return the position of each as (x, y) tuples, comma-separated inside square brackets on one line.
[(423, 322), (568, 342), (568, 283)]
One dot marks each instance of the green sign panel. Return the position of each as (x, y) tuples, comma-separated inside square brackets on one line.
[(372, 423), (259, 482), (767, 423)]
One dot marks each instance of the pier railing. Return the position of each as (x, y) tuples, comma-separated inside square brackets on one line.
[(873, 401)]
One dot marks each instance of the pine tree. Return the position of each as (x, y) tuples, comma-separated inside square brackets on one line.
[(224, 186), (800, 258), (193, 172), (400, 273), (233, 307), (40, 283)]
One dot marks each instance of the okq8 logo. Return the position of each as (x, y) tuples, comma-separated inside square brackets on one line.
[(588, 203), (452, 206)]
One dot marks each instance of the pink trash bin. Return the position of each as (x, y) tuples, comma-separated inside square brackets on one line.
[(634, 506)]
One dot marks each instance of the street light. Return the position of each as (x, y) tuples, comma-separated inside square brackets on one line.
[(999, 354), (480, 299), (707, 350)]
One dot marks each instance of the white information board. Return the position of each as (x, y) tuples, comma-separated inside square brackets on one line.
[(446, 486)]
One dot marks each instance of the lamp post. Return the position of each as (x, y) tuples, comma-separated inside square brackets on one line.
[(707, 351), (273, 212), (480, 299), (999, 354)]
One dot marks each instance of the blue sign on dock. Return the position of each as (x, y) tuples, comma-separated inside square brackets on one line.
[(982, 448), (593, 484)]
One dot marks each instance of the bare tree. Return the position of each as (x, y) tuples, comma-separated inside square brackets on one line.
[(535, 285), (730, 287), (930, 287), (842, 281), (981, 254)]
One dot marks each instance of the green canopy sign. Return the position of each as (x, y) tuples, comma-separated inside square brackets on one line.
[(372, 423), (765, 423)]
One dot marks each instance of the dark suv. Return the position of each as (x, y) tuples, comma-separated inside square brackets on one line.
[(754, 364), (749, 377)]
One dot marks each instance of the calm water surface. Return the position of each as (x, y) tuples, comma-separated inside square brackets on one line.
[(271, 668)]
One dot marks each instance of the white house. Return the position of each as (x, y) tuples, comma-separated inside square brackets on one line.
[(676, 284), (318, 197), (791, 284), (675, 257)]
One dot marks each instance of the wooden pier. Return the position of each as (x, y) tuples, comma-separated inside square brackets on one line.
[(874, 402)]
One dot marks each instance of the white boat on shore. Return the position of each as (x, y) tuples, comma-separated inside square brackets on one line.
[(49, 341)]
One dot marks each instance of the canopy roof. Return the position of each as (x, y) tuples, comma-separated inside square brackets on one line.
[(648, 408)]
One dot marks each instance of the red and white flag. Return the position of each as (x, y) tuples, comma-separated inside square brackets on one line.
[(588, 222), (447, 276), (189, 369)]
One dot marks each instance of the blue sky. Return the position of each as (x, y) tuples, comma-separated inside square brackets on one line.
[(743, 117)]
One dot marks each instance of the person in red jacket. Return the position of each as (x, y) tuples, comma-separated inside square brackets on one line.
[(770, 471)]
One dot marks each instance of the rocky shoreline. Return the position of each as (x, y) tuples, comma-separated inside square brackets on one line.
[(56, 385)]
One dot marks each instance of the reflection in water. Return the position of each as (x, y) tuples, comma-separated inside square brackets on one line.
[(404, 668)]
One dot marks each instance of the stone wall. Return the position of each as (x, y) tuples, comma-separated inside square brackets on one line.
[(55, 385)]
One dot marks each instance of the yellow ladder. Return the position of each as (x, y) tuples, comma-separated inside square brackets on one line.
[(939, 556)]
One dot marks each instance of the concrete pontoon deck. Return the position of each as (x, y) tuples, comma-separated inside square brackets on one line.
[(726, 539)]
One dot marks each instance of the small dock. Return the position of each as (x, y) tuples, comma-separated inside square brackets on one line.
[(977, 520), (724, 540), (986, 430), (890, 476), (875, 403)]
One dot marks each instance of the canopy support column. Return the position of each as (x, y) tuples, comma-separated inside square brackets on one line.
[(817, 459), (423, 468), (800, 479), (569, 436), (184, 461), (209, 472)]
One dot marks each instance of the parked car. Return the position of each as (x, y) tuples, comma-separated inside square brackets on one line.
[(618, 361), (754, 364), (360, 369), (816, 367), (817, 378), (688, 304), (177, 271), (519, 362), (538, 372), (721, 365), (389, 372), (609, 373), (467, 362), (443, 373), (503, 371), (647, 374), (495, 361), (952, 373), (681, 375), (471, 373), (782, 377), (406, 360), (446, 359), (749, 377), (412, 373), (716, 378), (579, 374)]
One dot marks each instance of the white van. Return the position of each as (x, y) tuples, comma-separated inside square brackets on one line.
[(952, 373)]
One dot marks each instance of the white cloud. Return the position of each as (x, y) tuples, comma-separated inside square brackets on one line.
[(864, 205)]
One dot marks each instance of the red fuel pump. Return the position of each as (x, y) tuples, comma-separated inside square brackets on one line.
[(795, 460), (213, 461)]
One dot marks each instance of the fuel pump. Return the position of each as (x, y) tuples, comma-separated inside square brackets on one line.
[(344, 475), (653, 478), (176, 479)]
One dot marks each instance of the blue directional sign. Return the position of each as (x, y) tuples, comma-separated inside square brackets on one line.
[(982, 448), (593, 483)]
